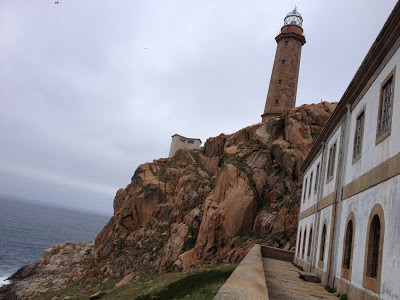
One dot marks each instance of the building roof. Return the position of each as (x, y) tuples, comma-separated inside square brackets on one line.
[(376, 58), (185, 137)]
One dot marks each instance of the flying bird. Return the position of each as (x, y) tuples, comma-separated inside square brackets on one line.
[(56, 2)]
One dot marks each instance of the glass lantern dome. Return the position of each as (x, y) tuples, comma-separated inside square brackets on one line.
[(294, 18)]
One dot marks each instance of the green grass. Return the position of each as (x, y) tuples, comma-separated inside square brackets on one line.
[(200, 284), (297, 266), (330, 289)]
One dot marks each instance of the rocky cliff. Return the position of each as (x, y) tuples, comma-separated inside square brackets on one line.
[(208, 205)]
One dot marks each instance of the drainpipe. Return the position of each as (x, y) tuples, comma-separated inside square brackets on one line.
[(340, 188), (319, 193)]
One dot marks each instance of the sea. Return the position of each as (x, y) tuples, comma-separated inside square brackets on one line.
[(28, 228)]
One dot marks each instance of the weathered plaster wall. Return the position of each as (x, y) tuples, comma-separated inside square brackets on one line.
[(306, 222), (325, 215), (380, 184), (330, 185), (307, 201), (373, 155), (388, 195)]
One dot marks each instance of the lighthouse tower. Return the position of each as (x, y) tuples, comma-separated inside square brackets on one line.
[(285, 73)]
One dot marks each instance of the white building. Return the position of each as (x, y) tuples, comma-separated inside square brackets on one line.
[(179, 142), (349, 222)]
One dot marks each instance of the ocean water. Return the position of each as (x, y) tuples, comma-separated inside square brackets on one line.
[(28, 228)]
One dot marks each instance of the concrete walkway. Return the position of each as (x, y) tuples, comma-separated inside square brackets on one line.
[(283, 283)]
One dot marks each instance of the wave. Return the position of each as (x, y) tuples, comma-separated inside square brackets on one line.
[(3, 281)]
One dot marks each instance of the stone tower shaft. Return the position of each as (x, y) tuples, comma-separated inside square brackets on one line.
[(285, 72)]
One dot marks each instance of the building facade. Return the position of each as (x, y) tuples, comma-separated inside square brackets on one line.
[(285, 73), (349, 220), (179, 142)]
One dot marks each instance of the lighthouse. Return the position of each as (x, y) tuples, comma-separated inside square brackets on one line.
[(285, 72)]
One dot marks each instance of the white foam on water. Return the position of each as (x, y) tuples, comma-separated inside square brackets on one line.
[(3, 281)]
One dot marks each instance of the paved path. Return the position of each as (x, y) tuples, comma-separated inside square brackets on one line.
[(283, 283)]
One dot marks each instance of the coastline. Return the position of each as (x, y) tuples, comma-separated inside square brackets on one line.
[(3, 280)]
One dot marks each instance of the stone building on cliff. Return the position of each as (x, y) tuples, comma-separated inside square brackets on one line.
[(285, 72), (179, 142), (349, 220)]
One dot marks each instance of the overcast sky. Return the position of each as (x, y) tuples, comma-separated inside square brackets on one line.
[(90, 89)]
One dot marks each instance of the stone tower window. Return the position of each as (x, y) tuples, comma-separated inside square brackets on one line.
[(304, 240), (348, 241), (309, 243), (311, 178), (182, 140), (190, 142), (358, 136), (283, 61), (276, 101), (286, 42), (280, 81), (316, 179), (322, 249)]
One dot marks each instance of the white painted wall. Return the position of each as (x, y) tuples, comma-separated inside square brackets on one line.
[(329, 187), (325, 214), (388, 195), (307, 201), (373, 155), (306, 222)]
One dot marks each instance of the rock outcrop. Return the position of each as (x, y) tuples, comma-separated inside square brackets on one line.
[(213, 204), (53, 269), (210, 204)]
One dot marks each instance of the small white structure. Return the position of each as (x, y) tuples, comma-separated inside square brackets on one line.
[(349, 220), (179, 142)]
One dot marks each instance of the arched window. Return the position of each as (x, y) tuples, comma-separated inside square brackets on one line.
[(304, 240), (322, 249), (299, 244), (348, 242), (373, 247), (309, 243)]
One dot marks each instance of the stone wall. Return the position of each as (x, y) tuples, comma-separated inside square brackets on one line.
[(278, 254), (247, 281)]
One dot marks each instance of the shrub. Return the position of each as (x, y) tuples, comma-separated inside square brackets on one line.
[(330, 289)]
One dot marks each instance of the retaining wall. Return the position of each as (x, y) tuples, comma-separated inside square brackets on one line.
[(248, 279), (278, 254)]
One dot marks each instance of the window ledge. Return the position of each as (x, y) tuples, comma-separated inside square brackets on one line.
[(380, 137), (346, 274), (372, 284)]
